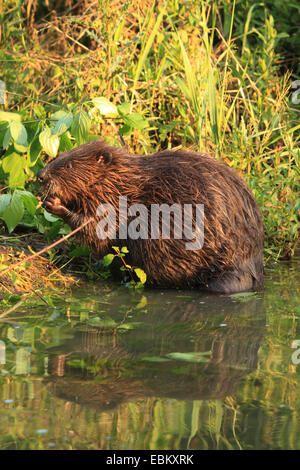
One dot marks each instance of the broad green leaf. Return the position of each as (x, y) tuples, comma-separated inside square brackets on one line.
[(60, 114), (105, 107), (13, 163), (124, 109), (4, 202), (50, 217), (20, 147), (125, 130), (80, 127), (18, 133), (6, 139), (50, 143), (13, 212), (136, 120), (108, 259), (9, 117), (29, 200), (63, 124), (17, 180), (3, 130), (34, 151), (141, 275), (65, 143)]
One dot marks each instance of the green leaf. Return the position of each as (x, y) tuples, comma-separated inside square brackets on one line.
[(9, 117), (49, 143), (60, 114), (13, 212), (125, 130), (81, 127), (191, 356), (50, 217), (20, 147), (80, 251), (29, 200), (18, 133), (108, 259), (124, 109), (34, 151), (6, 139), (63, 124), (136, 120), (3, 130), (13, 164), (124, 249), (141, 275), (65, 143), (105, 106), (4, 202)]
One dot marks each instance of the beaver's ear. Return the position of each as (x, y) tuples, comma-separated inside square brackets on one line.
[(104, 157)]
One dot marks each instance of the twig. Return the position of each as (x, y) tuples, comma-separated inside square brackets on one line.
[(47, 248), (13, 308)]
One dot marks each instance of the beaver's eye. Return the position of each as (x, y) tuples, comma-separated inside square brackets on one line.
[(69, 165), (104, 157)]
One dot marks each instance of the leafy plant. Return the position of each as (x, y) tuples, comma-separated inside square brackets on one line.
[(24, 142), (133, 272)]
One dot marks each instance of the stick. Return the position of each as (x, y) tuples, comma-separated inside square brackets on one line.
[(47, 248)]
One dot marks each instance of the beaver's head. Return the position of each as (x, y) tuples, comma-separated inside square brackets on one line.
[(71, 175)]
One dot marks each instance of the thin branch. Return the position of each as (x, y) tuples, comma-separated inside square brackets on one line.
[(47, 248)]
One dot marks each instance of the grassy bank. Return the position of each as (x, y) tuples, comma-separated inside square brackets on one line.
[(209, 76)]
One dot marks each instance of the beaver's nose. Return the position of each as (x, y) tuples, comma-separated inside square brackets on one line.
[(41, 175)]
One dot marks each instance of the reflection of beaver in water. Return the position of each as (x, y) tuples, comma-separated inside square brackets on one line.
[(118, 368), (78, 181)]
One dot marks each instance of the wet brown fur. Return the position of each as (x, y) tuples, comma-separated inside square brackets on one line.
[(231, 257)]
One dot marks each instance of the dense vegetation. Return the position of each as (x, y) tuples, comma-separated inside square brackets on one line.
[(213, 76)]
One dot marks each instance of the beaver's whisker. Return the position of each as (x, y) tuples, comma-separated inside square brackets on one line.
[(44, 197)]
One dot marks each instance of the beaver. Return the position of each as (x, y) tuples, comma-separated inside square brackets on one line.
[(228, 258)]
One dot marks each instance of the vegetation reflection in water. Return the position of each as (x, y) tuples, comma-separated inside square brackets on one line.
[(109, 368)]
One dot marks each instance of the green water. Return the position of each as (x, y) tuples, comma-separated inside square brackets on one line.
[(109, 368)]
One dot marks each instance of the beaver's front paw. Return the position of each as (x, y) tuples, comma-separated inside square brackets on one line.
[(54, 205)]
